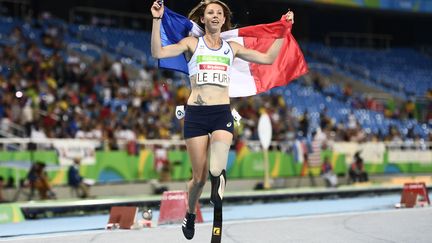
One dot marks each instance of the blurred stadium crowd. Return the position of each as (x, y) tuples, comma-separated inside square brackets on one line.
[(61, 80)]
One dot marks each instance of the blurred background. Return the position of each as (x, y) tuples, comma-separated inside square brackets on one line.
[(79, 89)]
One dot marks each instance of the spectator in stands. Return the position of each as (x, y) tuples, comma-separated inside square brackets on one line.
[(429, 107), (37, 132), (325, 120), (144, 79), (124, 135), (304, 124), (27, 117), (16, 34), (373, 104), (317, 82), (208, 107), (347, 91), (317, 144), (429, 94), (84, 132), (38, 181), (357, 171), (1, 189), (351, 121), (52, 36), (16, 108), (31, 179), (394, 135), (328, 174), (410, 109), (389, 108), (76, 181)]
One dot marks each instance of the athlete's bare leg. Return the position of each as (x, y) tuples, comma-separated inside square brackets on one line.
[(197, 148)]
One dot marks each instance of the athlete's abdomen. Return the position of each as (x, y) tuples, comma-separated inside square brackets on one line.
[(207, 94)]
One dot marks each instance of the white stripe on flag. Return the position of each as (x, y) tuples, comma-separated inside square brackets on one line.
[(242, 82), (196, 30)]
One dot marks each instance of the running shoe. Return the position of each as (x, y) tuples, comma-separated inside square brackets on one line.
[(188, 225)]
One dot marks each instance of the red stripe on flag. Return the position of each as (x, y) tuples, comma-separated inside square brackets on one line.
[(290, 63), (273, 30)]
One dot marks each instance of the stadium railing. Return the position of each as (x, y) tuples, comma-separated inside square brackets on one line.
[(22, 144)]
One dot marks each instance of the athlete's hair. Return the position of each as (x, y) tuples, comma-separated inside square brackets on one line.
[(198, 11)]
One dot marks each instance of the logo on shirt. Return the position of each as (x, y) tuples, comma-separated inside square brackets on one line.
[(226, 51)]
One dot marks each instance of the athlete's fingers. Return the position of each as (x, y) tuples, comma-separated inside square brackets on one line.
[(157, 4), (290, 16)]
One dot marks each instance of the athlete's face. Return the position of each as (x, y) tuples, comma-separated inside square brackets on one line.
[(214, 17)]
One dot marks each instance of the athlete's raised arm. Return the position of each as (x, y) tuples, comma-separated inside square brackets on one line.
[(157, 50), (259, 57)]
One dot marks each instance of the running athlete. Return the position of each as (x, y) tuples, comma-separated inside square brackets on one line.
[(208, 123)]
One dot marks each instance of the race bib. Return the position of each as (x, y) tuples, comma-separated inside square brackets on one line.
[(213, 70)]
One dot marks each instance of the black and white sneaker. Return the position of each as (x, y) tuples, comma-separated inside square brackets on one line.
[(188, 225)]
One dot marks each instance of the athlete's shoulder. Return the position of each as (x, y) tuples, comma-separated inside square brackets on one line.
[(191, 42), (189, 39), (235, 46)]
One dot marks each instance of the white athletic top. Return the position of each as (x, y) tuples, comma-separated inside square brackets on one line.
[(211, 66)]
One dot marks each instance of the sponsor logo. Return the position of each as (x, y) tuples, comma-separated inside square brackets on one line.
[(216, 231), (226, 51), (229, 124), (214, 59), (213, 67), (180, 113)]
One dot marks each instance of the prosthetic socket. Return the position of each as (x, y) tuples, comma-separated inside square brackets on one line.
[(217, 189)]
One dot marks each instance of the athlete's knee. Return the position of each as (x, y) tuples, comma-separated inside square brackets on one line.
[(199, 177), (198, 182), (218, 183)]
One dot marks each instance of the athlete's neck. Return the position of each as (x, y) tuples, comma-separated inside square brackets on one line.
[(213, 40)]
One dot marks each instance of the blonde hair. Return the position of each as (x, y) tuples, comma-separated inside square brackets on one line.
[(198, 11)]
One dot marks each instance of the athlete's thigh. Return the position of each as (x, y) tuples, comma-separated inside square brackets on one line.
[(222, 136), (197, 148)]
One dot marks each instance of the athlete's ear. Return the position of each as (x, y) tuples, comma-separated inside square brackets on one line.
[(202, 20)]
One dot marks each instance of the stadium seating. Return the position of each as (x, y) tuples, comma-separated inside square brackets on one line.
[(399, 71)]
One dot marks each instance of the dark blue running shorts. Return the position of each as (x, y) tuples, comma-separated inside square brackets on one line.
[(203, 120)]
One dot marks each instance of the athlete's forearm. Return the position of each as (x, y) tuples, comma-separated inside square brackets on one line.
[(273, 51), (156, 44)]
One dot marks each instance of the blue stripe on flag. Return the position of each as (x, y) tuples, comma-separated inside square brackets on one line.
[(174, 27)]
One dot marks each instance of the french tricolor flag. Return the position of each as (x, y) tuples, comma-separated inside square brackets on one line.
[(246, 78)]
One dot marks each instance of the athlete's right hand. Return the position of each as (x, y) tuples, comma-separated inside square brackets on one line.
[(157, 8)]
